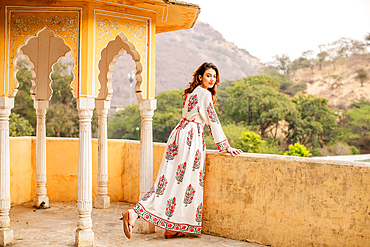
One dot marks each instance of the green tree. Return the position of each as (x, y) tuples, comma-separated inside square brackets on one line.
[(19, 126), (292, 88), (168, 114), (354, 126), (286, 86), (344, 46), (308, 61), (367, 39), (125, 124), (362, 76), (256, 101), (283, 63), (62, 116), (313, 123), (358, 47), (321, 57), (23, 102)]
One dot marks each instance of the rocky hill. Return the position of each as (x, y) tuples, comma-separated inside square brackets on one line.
[(338, 85), (179, 53)]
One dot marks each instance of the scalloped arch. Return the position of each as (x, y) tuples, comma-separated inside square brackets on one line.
[(109, 57), (42, 51)]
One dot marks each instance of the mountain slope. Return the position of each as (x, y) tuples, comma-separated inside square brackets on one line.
[(338, 85), (179, 54)]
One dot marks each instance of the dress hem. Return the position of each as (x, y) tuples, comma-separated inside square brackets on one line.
[(166, 224)]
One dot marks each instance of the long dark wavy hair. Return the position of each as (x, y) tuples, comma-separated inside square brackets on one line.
[(196, 82)]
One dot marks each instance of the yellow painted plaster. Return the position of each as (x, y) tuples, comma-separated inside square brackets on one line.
[(2, 52), (22, 170), (26, 22), (137, 30)]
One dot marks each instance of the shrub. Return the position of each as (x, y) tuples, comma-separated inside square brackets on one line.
[(250, 142), (354, 150), (298, 150), (232, 132)]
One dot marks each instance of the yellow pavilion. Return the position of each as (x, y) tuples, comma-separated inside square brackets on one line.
[(96, 33)]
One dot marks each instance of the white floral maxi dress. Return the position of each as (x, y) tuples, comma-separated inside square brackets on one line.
[(175, 202)]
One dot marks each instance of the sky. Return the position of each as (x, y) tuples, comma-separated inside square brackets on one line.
[(266, 28)]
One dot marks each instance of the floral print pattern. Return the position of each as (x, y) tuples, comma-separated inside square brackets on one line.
[(212, 113), (193, 101)]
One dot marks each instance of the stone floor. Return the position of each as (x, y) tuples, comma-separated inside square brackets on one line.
[(56, 226)]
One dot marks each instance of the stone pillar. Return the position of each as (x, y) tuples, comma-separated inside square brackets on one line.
[(146, 108), (102, 200), (41, 200), (6, 234), (84, 233)]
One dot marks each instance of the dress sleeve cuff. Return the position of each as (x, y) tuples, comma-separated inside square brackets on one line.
[(222, 145)]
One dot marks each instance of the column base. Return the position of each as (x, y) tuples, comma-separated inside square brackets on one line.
[(143, 227), (102, 202), (41, 202), (6, 237), (84, 238)]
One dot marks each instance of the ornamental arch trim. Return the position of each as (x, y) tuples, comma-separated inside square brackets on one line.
[(109, 57), (31, 50), (27, 22)]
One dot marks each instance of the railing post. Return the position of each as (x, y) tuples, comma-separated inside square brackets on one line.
[(6, 234), (41, 199), (84, 233), (146, 108), (102, 200)]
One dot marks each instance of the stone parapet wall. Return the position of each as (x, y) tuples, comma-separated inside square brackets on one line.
[(268, 199), (287, 201)]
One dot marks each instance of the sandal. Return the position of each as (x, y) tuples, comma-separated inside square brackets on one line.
[(127, 223), (176, 235)]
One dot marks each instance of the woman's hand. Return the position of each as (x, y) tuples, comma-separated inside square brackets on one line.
[(233, 151)]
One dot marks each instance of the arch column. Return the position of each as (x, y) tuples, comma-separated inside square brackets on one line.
[(102, 200), (6, 234), (41, 200), (146, 108), (84, 233)]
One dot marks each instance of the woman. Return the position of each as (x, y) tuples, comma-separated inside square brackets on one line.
[(175, 201)]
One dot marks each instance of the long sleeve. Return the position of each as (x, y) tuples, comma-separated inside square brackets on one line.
[(210, 117)]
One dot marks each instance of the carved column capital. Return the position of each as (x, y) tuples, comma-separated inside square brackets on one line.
[(102, 107), (147, 108), (6, 104), (40, 104)]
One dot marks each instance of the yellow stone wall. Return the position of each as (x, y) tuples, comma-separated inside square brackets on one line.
[(62, 169), (286, 201), (272, 200), (22, 169)]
